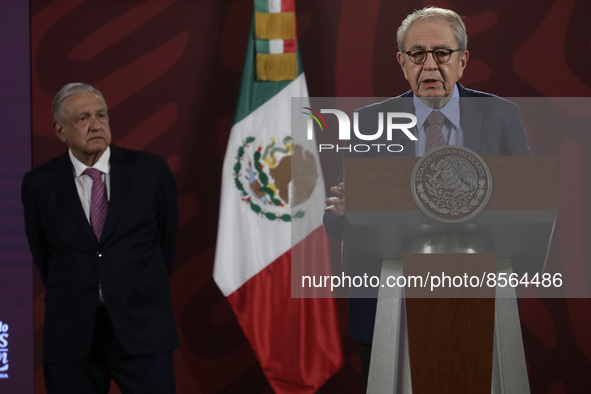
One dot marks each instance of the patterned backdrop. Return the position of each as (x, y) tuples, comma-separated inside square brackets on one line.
[(170, 72)]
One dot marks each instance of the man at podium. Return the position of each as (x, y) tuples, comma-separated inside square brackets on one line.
[(432, 54)]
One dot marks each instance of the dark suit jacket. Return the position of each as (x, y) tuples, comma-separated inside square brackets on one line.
[(491, 126), (132, 260)]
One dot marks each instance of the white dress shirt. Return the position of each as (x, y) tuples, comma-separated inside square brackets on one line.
[(452, 131), (84, 182)]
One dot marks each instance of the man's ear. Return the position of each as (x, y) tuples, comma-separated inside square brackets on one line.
[(463, 63), (58, 128)]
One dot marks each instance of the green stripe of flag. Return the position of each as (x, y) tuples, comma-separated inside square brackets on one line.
[(261, 5), (262, 46)]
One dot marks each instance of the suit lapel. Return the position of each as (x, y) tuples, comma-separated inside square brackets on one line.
[(64, 181), (471, 120), (405, 104), (120, 175)]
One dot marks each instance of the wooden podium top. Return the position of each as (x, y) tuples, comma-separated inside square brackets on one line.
[(517, 222), (519, 182)]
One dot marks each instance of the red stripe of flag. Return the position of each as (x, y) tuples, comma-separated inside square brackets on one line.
[(296, 340), (287, 6), (290, 46)]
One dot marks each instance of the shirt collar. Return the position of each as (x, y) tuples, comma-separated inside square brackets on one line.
[(451, 109), (102, 164)]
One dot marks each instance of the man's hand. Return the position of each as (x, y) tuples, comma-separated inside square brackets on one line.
[(336, 204)]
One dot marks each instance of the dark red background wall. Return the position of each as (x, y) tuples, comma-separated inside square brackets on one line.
[(170, 72)]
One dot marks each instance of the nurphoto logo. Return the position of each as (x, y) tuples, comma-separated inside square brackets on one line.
[(390, 119), (3, 350)]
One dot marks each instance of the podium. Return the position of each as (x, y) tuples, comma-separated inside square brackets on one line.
[(457, 343)]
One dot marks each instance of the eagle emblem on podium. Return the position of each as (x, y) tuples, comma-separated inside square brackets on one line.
[(451, 184)]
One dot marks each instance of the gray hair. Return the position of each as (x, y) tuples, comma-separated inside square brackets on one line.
[(449, 16), (68, 90)]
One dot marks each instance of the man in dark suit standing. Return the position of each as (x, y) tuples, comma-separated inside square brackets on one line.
[(433, 55), (101, 223)]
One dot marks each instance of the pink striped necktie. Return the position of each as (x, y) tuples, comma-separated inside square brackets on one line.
[(435, 134), (98, 201)]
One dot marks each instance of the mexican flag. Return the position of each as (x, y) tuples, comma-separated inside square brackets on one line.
[(271, 220)]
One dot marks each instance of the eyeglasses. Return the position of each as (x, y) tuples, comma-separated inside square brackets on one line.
[(418, 56)]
